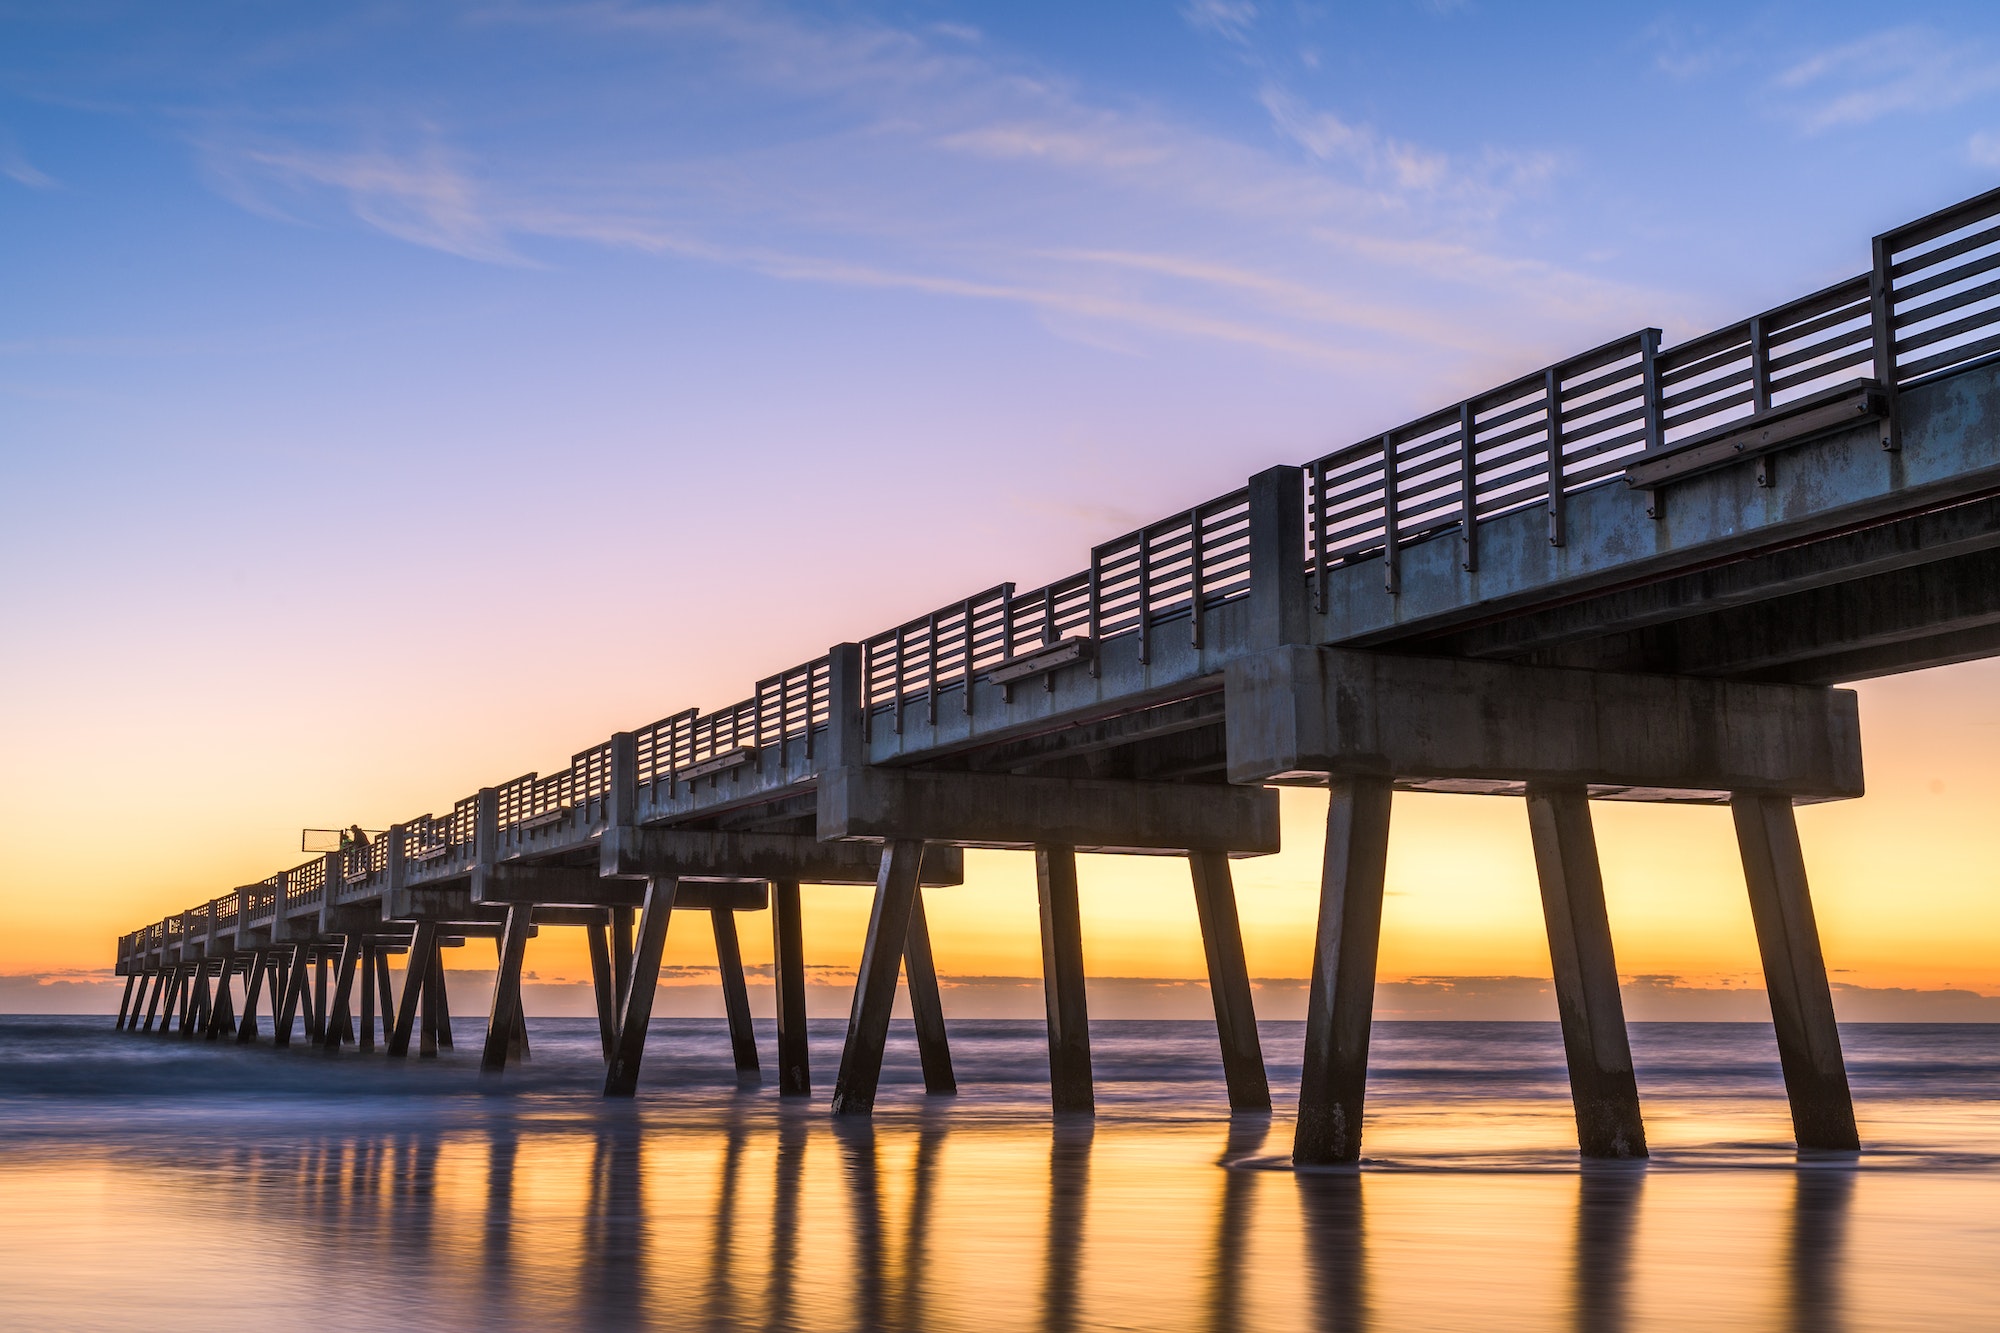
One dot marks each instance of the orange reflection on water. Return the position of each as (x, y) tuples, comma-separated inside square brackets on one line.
[(740, 1215)]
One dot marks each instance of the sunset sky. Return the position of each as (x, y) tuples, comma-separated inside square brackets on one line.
[(401, 398)]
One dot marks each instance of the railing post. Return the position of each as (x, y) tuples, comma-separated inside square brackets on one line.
[(485, 833), (1882, 321), (1552, 409), (1656, 439), (1280, 610), (1196, 593), (1392, 560), (1468, 490), (1145, 596), (621, 804), (332, 870), (395, 872), (846, 713)]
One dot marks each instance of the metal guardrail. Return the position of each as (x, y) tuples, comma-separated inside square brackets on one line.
[(1929, 305)]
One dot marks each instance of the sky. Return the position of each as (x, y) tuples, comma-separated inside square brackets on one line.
[(397, 398)]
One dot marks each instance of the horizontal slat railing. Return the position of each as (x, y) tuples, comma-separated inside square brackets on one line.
[(1930, 304)]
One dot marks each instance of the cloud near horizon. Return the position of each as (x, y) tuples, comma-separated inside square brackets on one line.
[(692, 992)]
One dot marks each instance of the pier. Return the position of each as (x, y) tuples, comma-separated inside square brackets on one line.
[(1634, 575)]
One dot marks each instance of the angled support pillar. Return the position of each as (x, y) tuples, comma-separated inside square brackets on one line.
[(1601, 1082), (1070, 1087), (602, 984), (335, 1028), (319, 995), (506, 1007), (875, 985), (621, 956), (423, 944), (253, 993), (1795, 974), (1341, 1002), (159, 980), (621, 1075), (1229, 982), (295, 985), (788, 955), (365, 1039), (195, 1011), (735, 991), (926, 1003), (386, 987), (434, 1024), (275, 961), (222, 1013), (125, 1004)]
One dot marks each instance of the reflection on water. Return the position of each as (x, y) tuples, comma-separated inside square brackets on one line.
[(713, 1206)]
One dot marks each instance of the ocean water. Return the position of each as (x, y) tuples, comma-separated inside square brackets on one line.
[(161, 1184)]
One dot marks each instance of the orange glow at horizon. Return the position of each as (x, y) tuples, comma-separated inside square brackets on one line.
[(1903, 879)]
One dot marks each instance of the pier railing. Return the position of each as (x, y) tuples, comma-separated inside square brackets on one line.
[(1928, 305)]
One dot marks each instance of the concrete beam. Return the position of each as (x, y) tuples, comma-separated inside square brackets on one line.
[(991, 810), (1299, 714), (1922, 539), (682, 854)]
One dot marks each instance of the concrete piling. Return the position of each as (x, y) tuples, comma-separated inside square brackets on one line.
[(1070, 1080), (1341, 1001), (1602, 1085), (789, 956), (1795, 974), (1229, 982), (621, 1075), (875, 985), (735, 991)]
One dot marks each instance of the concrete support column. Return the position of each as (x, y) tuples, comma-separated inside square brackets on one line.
[(1070, 1084), (789, 956), (621, 955), (195, 1013), (621, 1076), (927, 1003), (155, 982), (335, 1028), (1601, 1083), (423, 944), (222, 1013), (735, 992), (253, 993), (1229, 982), (506, 1007), (386, 988), (1341, 1002), (365, 1038), (1795, 973), (295, 984), (875, 985), (319, 995), (125, 1003), (605, 989)]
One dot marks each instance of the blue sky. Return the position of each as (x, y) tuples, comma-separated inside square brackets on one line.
[(462, 382)]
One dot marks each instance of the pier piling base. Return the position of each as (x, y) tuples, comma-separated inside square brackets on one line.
[(1340, 1005), (1071, 1085), (621, 1075), (789, 955), (735, 992), (1229, 982), (875, 984), (1795, 974), (1601, 1082)]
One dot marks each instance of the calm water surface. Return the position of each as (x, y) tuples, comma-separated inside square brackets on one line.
[(160, 1184)]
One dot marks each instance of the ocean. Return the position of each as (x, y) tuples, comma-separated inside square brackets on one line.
[(163, 1184)]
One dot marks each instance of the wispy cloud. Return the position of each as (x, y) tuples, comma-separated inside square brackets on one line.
[(1897, 70), (863, 155), (1230, 20), (16, 167)]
